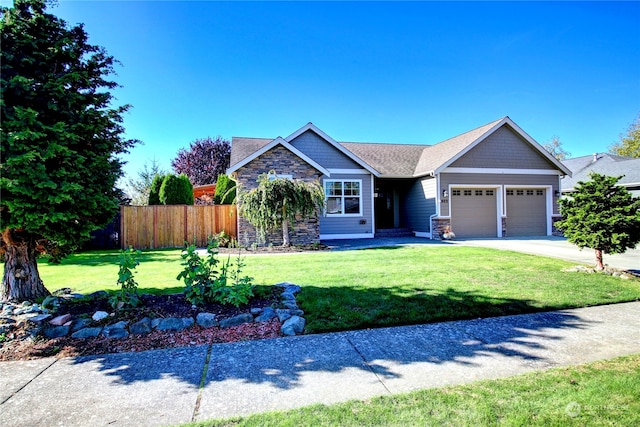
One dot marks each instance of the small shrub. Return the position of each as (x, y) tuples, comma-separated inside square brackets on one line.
[(209, 280), (127, 295), (223, 239)]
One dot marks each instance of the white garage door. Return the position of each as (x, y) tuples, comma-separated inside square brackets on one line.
[(474, 212), (526, 212)]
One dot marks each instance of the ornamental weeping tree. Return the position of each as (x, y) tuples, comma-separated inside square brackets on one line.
[(276, 203), (602, 216), (60, 141)]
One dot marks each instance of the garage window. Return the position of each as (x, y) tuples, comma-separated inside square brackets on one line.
[(539, 192), (467, 192), (489, 192), (519, 192), (456, 192), (509, 192), (478, 192)]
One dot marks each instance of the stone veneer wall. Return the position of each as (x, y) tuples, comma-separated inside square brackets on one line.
[(437, 227), (283, 162)]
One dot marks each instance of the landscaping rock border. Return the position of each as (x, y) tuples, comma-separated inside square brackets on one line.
[(42, 322)]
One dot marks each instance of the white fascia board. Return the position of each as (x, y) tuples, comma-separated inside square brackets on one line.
[(502, 171), (310, 126), (399, 176), (348, 171), (272, 144)]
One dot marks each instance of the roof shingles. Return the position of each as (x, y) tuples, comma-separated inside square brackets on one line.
[(391, 160)]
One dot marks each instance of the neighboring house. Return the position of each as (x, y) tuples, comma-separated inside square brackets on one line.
[(204, 194), (493, 181), (604, 164)]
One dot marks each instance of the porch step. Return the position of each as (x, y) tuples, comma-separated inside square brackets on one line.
[(394, 232)]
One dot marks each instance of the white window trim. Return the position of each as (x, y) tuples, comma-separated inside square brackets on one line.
[(360, 196), (498, 190)]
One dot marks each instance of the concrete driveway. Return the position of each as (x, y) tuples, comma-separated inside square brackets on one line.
[(558, 247), (550, 246)]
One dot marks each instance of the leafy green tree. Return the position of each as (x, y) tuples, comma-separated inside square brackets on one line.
[(554, 147), (602, 216), (629, 144), (176, 190), (140, 188), (276, 203), (60, 141), (154, 190), (225, 191)]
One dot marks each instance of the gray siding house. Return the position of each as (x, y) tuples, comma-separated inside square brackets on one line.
[(604, 164), (493, 181)]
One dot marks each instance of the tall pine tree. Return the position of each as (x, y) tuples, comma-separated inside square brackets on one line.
[(602, 216), (60, 141)]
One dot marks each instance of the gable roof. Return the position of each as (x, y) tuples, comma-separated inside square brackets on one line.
[(604, 164), (251, 148), (393, 160), (263, 148)]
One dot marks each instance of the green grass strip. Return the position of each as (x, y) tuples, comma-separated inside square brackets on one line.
[(604, 393)]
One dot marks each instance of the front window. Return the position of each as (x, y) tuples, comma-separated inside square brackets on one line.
[(343, 197)]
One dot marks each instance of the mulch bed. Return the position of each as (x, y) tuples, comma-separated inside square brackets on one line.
[(20, 345)]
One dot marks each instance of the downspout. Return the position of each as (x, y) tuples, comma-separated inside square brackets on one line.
[(437, 177)]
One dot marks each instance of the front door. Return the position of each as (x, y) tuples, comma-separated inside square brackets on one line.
[(384, 208)]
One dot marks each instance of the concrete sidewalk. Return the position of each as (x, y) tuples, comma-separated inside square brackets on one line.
[(168, 387)]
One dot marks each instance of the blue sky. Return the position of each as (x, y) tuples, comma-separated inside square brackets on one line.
[(415, 72)]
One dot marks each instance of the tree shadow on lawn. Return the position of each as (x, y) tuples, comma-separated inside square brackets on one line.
[(287, 363), (112, 257)]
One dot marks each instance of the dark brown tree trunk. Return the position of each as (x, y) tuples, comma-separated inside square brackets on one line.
[(599, 263), (21, 279)]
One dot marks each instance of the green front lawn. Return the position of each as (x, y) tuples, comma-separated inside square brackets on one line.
[(380, 287), (599, 394)]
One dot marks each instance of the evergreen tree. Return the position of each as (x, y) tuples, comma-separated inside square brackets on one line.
[(60, 142), (176, 190), (602, 216), (154, 190)]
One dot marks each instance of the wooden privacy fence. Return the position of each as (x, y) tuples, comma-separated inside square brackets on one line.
[(152, 227)]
